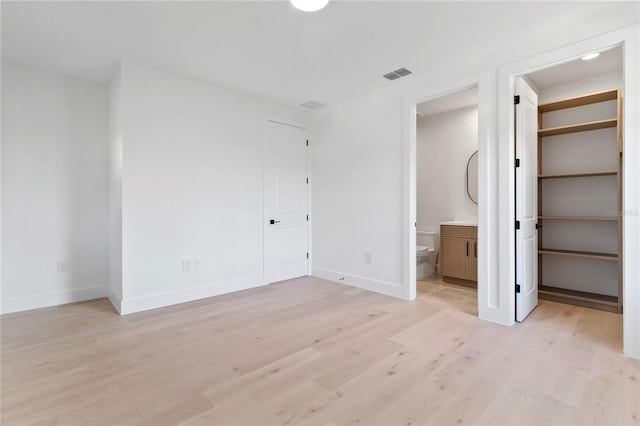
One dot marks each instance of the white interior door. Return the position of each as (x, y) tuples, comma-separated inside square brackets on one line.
[(285, 203), (526, 181)]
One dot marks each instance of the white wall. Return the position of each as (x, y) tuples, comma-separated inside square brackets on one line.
[(54, 180), (444, 143), (356, 191), (192, 188)]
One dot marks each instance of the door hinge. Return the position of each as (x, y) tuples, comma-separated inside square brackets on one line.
[(307, 218), (307, 255), (517, 288), (307, 180), (516, 99), (307, 142), (517, 224), (517, 162)]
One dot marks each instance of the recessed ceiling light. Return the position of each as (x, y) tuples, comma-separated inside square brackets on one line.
[(312, 104), (309, 5), (590, 56)]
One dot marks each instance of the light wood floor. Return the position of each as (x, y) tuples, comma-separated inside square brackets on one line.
[(308, 351)]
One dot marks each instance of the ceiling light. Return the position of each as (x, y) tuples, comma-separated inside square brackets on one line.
[(590, 56), (312, 104), (309, 5)]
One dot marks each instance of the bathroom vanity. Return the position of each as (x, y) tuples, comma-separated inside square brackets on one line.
[(459, 252)]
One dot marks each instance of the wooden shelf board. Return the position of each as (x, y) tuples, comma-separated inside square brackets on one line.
[(592, 98), (581, 127), (583, 254), (575, 295), (578, 174), (598, 218)]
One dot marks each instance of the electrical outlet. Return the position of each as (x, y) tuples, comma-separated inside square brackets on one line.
[(197, 262), (368, 257), (186, 264), (62, 266)]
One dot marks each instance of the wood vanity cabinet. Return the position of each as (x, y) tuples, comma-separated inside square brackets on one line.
[(459, 252)]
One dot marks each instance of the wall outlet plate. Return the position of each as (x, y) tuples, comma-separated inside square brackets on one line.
[(186, 264)]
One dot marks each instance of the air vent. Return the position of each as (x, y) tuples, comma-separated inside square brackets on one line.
[(312, 104), (401, 72)]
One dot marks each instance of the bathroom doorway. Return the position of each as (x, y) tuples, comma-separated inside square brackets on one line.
[(447, 200)]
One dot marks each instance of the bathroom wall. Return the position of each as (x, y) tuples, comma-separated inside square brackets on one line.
[(445, 141)]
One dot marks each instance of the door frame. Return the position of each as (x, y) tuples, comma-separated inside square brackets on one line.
[(628, 38), (486, 269), (268, 118)]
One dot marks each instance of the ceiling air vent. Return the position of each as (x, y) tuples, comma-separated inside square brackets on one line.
[(393, 75), (312, 104)]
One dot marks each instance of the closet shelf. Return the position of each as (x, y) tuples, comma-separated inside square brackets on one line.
[(581, 190), (581, 127), (580, 298), (591, 98), (583, 254), (578, 174), (599, 218)]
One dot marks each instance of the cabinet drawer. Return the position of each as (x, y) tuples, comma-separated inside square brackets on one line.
[(458, 231)]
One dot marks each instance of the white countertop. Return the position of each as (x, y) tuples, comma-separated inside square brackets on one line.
[(460, 223)]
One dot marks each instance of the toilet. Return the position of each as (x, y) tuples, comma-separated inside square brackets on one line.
[(426, 253)]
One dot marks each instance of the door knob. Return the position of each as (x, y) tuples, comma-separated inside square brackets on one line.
[(273, 221)]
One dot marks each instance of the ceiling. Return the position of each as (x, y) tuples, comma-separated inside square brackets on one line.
[(457, 100), (609, 61), (269, 49)]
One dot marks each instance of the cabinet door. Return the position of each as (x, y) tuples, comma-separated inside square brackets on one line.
[(473, 260), (454, 261)]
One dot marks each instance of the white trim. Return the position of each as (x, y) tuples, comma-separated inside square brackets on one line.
[(45, 300), (115, 300), (382, 287), (487, 225), (160, 300), (629, 38)]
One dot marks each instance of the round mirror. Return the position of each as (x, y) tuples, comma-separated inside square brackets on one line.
[(472, 177)]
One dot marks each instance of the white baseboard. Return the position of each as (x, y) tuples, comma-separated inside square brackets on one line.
[(129, 306), (115, 300), (382, 287), (45, 300)]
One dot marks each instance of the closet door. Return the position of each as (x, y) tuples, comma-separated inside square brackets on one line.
[(526, 180)]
